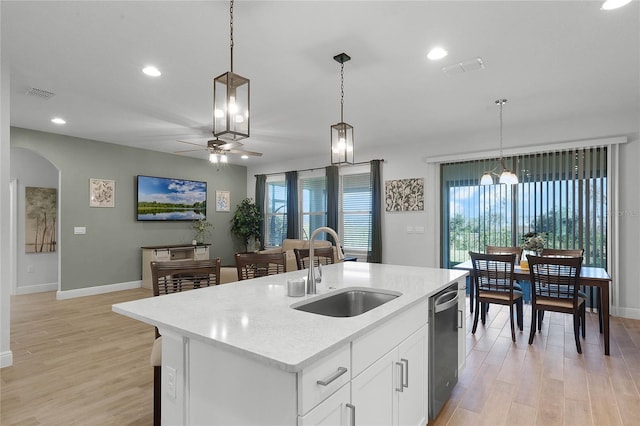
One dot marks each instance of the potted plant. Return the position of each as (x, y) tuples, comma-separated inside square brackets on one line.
[(202, 230), (246, 222)]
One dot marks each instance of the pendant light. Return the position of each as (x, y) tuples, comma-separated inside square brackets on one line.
[(231, 100), (341, 133), (507, 176)]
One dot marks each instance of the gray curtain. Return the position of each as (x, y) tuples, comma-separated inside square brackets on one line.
[(261, 187), (293, 224), (375, 255), (333, 189)]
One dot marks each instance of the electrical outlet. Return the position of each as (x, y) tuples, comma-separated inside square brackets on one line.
[(171, 381)]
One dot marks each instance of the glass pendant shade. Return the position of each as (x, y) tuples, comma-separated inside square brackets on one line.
[(508, 177), (486, 179), (341, 144), (213, 157), (231, 107)]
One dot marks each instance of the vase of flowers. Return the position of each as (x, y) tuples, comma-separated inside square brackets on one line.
[(532, 243), (202, 230)]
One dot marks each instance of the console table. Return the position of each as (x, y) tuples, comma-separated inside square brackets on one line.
[(170, 252)]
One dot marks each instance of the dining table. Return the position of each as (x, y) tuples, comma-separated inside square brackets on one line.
[(589, 276)]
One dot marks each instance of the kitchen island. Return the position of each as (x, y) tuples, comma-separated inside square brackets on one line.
[(239, 354)]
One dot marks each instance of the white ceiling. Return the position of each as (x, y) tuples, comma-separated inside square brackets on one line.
[(553, 60)]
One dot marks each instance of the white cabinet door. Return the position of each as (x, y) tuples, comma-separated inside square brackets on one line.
[(373, 392), (412, 403), (462, 326), (333, 411)]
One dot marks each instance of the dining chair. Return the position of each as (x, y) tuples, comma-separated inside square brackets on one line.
[(323, 256), (493, 282), (518, 252), (172, 277), (582, 291), (555, 282), (254, 265)]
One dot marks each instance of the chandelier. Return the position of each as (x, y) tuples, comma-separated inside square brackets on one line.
[(507, 176), (231, 100), (341, 133)]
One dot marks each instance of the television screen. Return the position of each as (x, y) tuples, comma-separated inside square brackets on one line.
[(171, 199)]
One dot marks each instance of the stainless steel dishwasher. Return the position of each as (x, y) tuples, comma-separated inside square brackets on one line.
[(443, 347)]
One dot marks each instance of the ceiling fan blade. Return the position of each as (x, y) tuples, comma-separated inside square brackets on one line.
[(192, 150), (242, 152), (203, 142)]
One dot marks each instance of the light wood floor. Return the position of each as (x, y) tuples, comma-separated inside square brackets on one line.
[(547, 383), (78, 363)]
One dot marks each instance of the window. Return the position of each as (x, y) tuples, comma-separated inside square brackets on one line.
[(355, 201), (313, 197), (276, 211), (355, 214), (561, 194)]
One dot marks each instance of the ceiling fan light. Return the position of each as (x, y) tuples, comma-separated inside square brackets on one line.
[(508, 177), (224, 158), (213, 157), (486, 179)]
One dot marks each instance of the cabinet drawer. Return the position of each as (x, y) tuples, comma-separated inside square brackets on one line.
[(161, 255), (201, 253), (331, 371), (373, 345)]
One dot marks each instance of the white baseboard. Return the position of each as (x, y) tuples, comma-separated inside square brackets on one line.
[(629, 313), (37, 288), (100, 289), (6, 359)]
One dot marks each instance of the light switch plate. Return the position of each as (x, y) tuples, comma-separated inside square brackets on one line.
[(79, 230)]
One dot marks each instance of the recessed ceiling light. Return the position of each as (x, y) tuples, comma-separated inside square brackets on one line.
[(614, 4), (437, 53), (58, 120), (151, 71), (244, 157)]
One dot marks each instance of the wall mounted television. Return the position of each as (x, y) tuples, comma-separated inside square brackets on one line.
[(168, 199)]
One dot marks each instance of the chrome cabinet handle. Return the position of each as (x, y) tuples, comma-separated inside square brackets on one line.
[(460, 319), (334, 376), (401, 388), (405, 383), (353, 413)]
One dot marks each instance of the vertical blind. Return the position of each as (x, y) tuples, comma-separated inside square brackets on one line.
[(355, 227), (562, 195), (314, 204)]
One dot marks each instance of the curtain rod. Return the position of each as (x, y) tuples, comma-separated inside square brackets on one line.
[(317, 168)]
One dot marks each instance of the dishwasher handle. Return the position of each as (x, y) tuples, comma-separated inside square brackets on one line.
[(446, 301)]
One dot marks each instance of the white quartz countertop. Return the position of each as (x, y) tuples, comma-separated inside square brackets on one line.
[(253, 318)]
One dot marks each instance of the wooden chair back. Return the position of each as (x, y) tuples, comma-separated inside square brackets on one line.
[(504, 250), (323, 256), (254, 265), (493, 272), (182, 275), (562, 252)]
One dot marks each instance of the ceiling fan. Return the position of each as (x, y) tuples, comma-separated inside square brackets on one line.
[(218, 149)]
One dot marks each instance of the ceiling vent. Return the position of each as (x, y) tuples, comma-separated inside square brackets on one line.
[(474, 64), (40, 93)]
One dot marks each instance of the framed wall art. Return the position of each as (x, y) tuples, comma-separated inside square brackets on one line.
[(102, 193), (404, 195), (40, 216), (223, 199)]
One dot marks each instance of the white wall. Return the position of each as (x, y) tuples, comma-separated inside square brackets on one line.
[(6, 357), (35, 272)]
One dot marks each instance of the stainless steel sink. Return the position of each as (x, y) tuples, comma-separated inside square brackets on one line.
[(348, 302)]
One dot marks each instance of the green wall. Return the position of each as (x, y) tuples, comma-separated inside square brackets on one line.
[(110, 252)]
